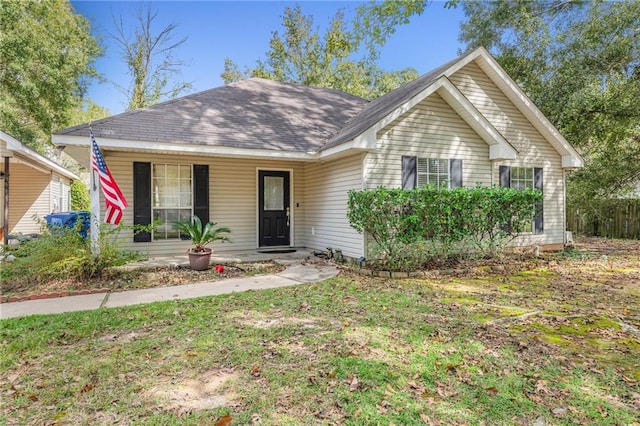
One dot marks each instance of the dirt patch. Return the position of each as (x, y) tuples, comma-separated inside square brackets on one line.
[(255, 319), (120, 338), (201, 393)]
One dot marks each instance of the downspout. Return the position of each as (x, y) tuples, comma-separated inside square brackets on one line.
[(6, 201)]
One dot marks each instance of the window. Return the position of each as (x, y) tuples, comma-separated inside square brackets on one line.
[(65, 196), (172, 198), (433, 171), (522, 178)]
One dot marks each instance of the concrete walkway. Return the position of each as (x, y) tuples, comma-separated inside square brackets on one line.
[(296, 273)]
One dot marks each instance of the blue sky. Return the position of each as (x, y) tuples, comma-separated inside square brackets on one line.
[(241, 31)]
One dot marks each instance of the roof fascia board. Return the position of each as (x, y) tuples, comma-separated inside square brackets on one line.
[(460, 104), (184, 149), (366, 142), (527, 108), (30, 156), (368, 139), (401, 109)]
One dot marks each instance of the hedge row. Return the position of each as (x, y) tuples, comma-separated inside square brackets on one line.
[(410, 227)]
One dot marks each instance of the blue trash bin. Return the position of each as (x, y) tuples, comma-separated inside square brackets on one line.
[(69, 220)]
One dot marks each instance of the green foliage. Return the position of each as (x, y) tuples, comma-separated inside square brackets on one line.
[(87, 112), (62, 253), (201, 236), (579, 61), (303, 55), (80, 198), (408, 228), (150, 59), (46, 55)]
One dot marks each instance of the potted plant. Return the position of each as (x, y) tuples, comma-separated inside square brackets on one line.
[(199, 254)]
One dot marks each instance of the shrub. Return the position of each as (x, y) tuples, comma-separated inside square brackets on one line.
[(62, 253), (429, 223), (80, 198)]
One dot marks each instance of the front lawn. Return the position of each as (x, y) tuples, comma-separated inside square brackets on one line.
[(556, 343)]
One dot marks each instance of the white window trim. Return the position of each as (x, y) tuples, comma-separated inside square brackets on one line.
[(511, 173), (418, 173), (153, 208)]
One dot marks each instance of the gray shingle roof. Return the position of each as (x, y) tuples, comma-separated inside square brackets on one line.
[(254, 113), (259, 114), (379, 108)]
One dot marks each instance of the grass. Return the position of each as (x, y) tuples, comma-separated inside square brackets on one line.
[(559, 344)]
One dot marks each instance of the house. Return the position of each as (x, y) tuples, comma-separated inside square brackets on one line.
[(274, 161), (32, 186)]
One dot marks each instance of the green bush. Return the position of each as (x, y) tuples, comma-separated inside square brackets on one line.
[(429, 223), (61, 253), (80, 199)]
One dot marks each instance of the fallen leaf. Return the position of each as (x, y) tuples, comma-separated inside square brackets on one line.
[(33, 397), (357, 413), (602, 410), (255, 371), (491, 391), (86, 388), (346, 323), (426, 419), (534, 398), (559, 411), (353, 384), (224, 420)]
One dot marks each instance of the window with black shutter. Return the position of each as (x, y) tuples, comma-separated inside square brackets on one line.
[(522, 178)]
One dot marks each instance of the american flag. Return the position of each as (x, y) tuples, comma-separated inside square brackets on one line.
[(114, 200)]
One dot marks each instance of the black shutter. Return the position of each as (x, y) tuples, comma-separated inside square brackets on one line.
[(142, 199), (409, 172), (505, 181), (505, 176), (201, 192), (455, 172), (539, 219)]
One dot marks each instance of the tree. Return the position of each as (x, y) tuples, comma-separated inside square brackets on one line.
[(150, 58), (579, 61), (303, 55), (232, 72), (46, 57), (87, 112)]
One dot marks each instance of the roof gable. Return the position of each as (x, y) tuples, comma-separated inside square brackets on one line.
[(499, 147), (486, 62), (359, 132)]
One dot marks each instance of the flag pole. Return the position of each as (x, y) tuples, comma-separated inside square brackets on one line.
[(94, 186)]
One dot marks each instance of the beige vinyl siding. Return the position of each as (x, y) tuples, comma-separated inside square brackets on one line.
[(55, 191), (232, 199), (534, 150), (326, 222), (432, 129), (30, 197)]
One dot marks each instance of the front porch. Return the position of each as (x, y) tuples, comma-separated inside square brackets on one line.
[(284, 257)]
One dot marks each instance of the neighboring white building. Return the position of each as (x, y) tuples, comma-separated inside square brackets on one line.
[(274, 161), (37, 186)]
